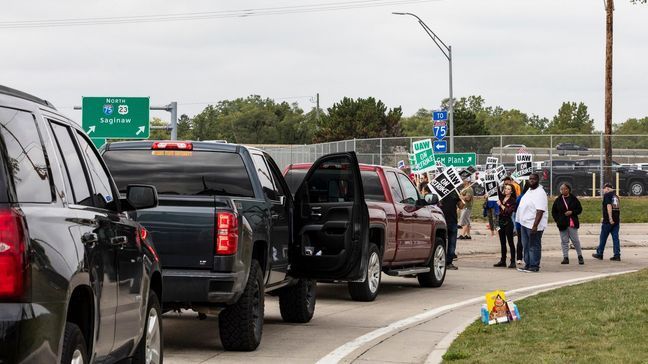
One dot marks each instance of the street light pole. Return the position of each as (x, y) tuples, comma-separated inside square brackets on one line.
[(447, 52)]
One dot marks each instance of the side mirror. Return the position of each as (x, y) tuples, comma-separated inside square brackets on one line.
[(141, 196), (432, 199)]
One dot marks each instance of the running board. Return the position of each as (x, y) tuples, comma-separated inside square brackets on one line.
[(407, 271)]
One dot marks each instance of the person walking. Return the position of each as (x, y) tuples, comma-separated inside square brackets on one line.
[(519, 251), (507, 204), (466, 195), (532, 215), (449, 206), (565, 211), (610, 223)]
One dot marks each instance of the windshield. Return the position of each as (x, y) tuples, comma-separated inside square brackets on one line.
[(181, 172)]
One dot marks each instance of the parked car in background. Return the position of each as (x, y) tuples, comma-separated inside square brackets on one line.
[(228, 230), (80, 281), (407, 235), (570, 146), (642, 166), (515, 146)]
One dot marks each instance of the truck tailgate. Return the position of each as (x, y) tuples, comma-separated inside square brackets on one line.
[(182, 229)]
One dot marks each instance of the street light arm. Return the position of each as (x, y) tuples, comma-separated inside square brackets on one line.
[(443, 47)]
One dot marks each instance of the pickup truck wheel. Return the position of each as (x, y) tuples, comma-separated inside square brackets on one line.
[(297, 303), (368, 290), (436, 275), (74, 347), (241, 324), (637, 188), (149, 350)]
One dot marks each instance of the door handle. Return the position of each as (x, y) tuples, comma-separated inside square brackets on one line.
[(89, 239), (316, 212), (274, 216), (119, 241), (401, 215)]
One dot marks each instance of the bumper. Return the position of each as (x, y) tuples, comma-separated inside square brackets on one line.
[(28, 334), (200, 287)]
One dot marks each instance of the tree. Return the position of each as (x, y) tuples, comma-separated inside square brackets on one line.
[(361, 118), (631, 127), (572, 118), (419, 124), (159, 134)]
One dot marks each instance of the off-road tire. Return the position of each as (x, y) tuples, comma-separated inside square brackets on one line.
[(241, 324), (297, 302), (367, 291), (73, 341), (140, 356), (437, 273)]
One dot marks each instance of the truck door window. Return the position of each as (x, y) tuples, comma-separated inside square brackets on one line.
[(394, 186), (331, 182), (276, 176), (25, 156), (373, 189), (411, 194), (263, 172)]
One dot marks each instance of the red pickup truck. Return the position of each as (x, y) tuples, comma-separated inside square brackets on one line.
[(407, 234)]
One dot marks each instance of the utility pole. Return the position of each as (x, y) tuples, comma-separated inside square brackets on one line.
[(317, 107), (609, 10)]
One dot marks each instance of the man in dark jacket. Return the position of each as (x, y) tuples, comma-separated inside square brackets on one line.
[(565, 211), (610, 223), (449, 206)]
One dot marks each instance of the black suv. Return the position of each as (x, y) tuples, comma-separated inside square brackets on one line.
[(79, 279)]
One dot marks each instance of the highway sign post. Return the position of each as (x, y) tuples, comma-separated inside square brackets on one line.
[(457, 159), (116, 117)]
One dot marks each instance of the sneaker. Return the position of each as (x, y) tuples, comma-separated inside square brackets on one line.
[(454, 257), (616, 258), (565, 261), (497, 228), (581, 261), (501, 263), (520, 262), (597, 256), (451, 267), (512, 265), (467, 237), (523, 270), (461, 237), (533, 270)]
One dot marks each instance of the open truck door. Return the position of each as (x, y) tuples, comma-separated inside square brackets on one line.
[(331, 221)]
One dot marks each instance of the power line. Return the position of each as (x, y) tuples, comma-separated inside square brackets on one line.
[(222, 14)]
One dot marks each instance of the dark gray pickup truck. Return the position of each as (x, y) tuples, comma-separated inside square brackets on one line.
[(227, 229)]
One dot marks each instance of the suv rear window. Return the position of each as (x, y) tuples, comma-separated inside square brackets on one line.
[(26, 156), (197, 173)]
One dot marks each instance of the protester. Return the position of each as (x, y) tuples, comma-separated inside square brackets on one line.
[(532, 215), (449, 206), (565, 211), (516, 187), (491, 210), (466, 195), (507, 204), (519, 251), (610, 223)]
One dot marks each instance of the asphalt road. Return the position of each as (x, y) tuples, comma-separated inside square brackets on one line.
[(339, 321)]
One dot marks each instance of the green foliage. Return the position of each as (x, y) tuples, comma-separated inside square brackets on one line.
[(361, 118), (572, 118), (631, 126), (419, 124), (159, 134)]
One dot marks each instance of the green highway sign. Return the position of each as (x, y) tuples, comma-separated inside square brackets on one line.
[(457, 159), (116, 117), (98, 142)]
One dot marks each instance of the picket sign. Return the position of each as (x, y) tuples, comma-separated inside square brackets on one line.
[(524, 165), (491, 163)]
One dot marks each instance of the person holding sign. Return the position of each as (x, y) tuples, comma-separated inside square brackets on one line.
[(565, 211), (449, 206), (507, 204), (532, 215), (466, 195)]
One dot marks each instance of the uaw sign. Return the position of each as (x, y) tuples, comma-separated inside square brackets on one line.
[(490, 185), (445, 183), (491, 162), (423, 155), (523, 164), (500, 172)]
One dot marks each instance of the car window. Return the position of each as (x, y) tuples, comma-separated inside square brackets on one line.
[(103, 194), (265, 177), (394, 186), (332, 181), (410, 192), (62, 166), (26, 156), (294, 178), (73, 164), (187, 173), (373, 190), (276, 176)]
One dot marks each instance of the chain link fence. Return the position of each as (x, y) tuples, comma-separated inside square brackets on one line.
[(574, 159)]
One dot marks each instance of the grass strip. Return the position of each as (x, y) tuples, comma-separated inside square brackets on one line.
[(604, 321)]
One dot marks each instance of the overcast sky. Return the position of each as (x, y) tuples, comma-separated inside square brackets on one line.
[(525, 54)]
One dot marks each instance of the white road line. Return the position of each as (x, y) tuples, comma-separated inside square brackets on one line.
[(341, 352)]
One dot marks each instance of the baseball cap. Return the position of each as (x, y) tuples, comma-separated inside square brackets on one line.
[(608, 185)]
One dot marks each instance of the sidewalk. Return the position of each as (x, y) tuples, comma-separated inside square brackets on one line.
[(630, 235)]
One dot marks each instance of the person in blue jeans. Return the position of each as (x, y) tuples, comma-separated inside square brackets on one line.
[(449, 206), (610, 223), (532, 215)]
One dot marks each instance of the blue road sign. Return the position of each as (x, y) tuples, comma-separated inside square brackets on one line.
[(440, 115), (440, 131), (440, 146)]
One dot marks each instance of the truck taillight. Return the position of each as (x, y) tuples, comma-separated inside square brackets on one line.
[(226, 233), (13, 259), (172, 146)]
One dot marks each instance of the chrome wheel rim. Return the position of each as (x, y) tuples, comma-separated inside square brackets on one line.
[(373, 272), (637, 189), (77, 357), (153, 339), (439, 263)]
